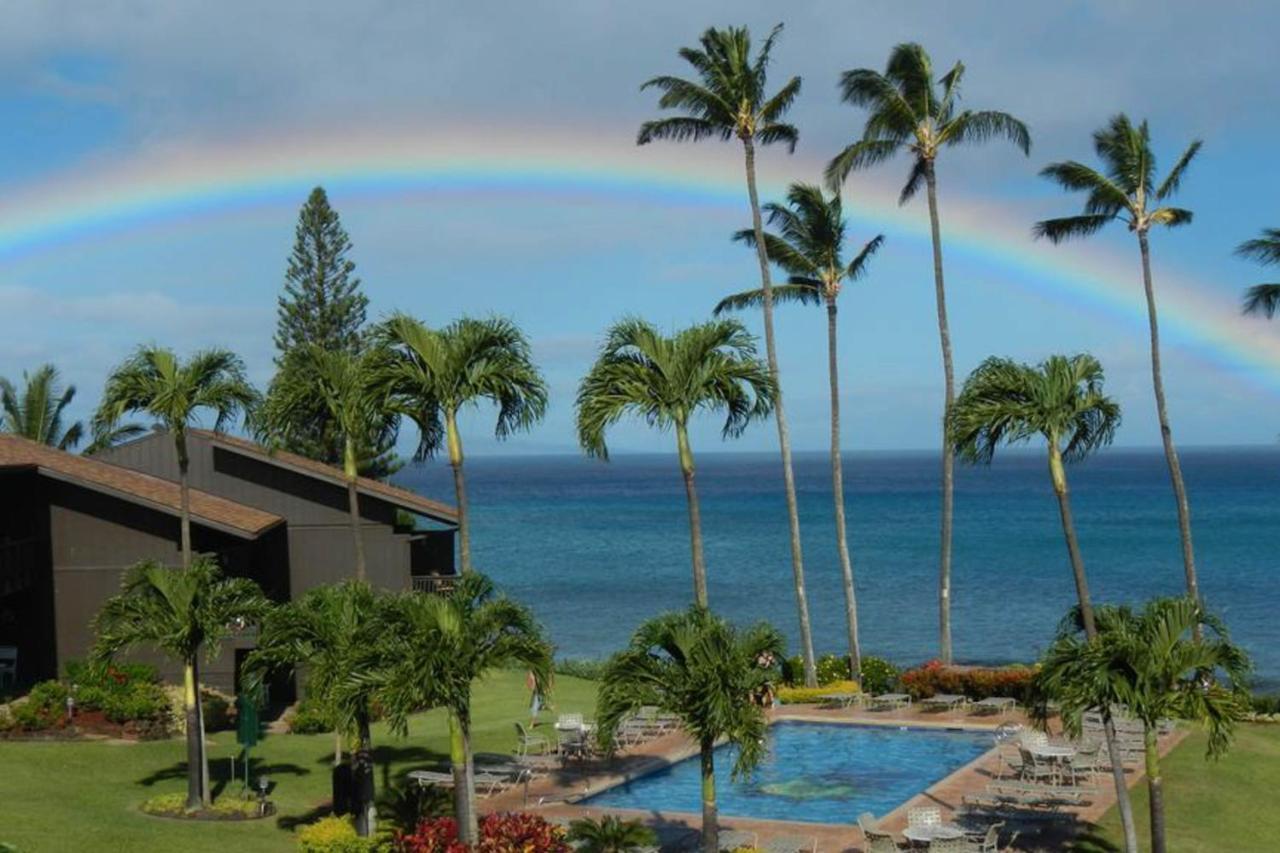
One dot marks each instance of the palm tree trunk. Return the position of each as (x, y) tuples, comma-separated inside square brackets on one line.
[(459, 488), (1116, 760), (195, 748), (710, 818), (695, 516), (362, 780), (1166, 434), (837, 491), (353, 504), (784, 436), (184, 494), (464, 787), (1155, 789), (948, 452), (206, 792)]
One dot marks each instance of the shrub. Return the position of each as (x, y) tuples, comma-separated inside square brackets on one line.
[(806, 695), (611, 834), (45, 707), (175, 805), (514, 832), (333, 835), (309, 719), (973, 682), (218, 710), (141, 702), (7, 723), (1263, 704), (832, 668), (589, 670), (878, 675)]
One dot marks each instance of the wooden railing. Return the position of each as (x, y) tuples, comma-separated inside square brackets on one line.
[(433, 583)]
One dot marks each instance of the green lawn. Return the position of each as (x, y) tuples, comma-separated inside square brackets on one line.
[(1215, 806), (84, 796)]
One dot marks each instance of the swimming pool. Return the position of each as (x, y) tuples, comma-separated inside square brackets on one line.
[(816, 772)]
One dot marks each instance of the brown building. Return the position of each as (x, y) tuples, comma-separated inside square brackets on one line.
[(70, 525)]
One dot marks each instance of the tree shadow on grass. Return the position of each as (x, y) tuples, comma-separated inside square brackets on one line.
[(1092, 841), (220, 772)]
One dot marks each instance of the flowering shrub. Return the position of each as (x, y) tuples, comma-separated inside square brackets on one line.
[(332, 835), (974, 682), (514, 832), (806, 695), (878, 675)]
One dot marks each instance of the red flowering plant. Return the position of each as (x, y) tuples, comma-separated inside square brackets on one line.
[(514, 832), (976, 683)]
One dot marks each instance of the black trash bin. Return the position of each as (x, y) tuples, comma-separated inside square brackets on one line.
[(343, 790)]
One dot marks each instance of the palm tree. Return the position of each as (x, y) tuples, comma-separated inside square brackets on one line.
[(437, 373), (435, 649), (810, 248), (156, 382), (909, 113), (37, 413), (1061, 400), (1262, 298), (180, 613), (1157, 665), (351, 389), (326, 633), (729, 100), (666, 380), (611, 834), (1126, 190), (698, 667)]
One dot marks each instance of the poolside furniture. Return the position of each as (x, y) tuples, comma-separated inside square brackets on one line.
[(958, 844), (840, 700), (570, 721), (995, 705), (790, 844), (879, 842), (432, 777), (889, 701), (487, 783), (924, 816), (1035, 767), (527, 741), (734, 838), (945, 702), (989, 841)]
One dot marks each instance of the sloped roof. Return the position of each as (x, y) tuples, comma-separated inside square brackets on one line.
[(394, 495), (136, 487)]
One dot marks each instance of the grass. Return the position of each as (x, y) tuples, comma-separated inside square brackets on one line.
[(1212, 806), (58, 796)]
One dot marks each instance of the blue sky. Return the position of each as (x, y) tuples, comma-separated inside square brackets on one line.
[(87, 88)]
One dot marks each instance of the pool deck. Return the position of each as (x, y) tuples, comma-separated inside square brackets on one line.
[(554, 795)]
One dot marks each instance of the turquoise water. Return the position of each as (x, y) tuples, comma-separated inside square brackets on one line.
[(820, 773), (597, 547)]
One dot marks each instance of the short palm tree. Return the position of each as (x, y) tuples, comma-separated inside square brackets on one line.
[(911, 112), (809, 247), (436, 373), (730, 100), (350, 388), (436, 648), (155, 382), (1160, 667), (1060, 400), (667, 380), (326, 632), (611, 834), (181, 613), (37, 412), (1262, 298), (1126, 190), (698, 667)]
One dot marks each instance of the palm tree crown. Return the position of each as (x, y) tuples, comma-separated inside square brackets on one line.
[(667, 379), (911, 111), (1262, 298), (808, 246), (1125, 189), (730, 98), (1004, 402), (37, 412)]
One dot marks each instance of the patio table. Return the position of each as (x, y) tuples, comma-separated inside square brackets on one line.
[(924, 833)]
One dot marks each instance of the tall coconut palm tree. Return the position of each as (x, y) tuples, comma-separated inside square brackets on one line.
[(667, 380), (1262, 298), (326, 633), (351, 389), (1060, 400), (911, 112), (37, 411), (181, 613), (155, 382), (437, 647), (1158, 666), (436, 373), (699, 668), (729, 100), (809, 247), (1126, 190)]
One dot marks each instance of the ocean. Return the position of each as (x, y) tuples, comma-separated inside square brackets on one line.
[(595, 548)]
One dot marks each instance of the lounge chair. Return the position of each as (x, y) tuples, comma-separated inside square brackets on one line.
[(840, 700), (945, 701), (889, 701), (879, 842), (432, 777), (989, 841), (995, 705), (527, 742), (790, 844)]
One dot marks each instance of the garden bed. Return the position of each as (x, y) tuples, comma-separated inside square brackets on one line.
[(174, 807)]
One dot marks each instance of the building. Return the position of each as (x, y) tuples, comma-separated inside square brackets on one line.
[(70, 525)]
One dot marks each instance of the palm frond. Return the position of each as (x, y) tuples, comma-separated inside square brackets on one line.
[(1172, 181), (973, 128), (1264, 249), (858, 266), (807, 293), (1262, 299), (1068, 227), (859, 155), (1170, 217)]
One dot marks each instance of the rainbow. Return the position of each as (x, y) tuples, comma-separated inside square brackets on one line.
[(190, 183)]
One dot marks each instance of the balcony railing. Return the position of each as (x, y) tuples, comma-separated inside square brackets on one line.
[(433, 583)]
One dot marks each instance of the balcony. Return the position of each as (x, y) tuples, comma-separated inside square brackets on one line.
[(433, 584)]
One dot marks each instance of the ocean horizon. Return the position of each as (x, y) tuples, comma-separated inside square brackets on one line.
[(595, 548)]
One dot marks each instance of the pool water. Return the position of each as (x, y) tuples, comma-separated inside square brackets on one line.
[(816, 772)]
